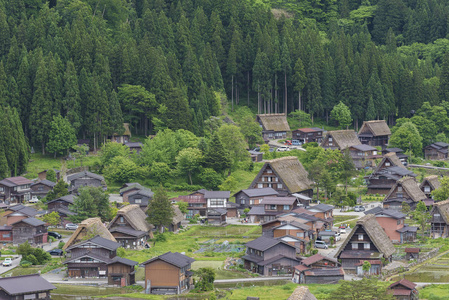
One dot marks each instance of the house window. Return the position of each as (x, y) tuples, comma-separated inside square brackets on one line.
[(399, 188), (374, 152), (355, 246), (330, 144), (427, 189), (216, 202), (399, 195), (269, 179), (122, 219), (251, 202), (360, 237), (269, 171), (2, 189), (330, 139), (286, 207), (366, 246), (138, 201), (41, 188), (387, 164), (270, 135), (242, 201), (399, 222), (6, 235), (279, 185), (272, 207), (260, 185), (32, 296)]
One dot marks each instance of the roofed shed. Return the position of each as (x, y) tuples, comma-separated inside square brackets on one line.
[(274, 126)]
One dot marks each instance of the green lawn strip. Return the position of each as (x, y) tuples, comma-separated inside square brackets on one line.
[(83, 290), (340, 219)]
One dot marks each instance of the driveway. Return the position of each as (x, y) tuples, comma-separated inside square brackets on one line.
[(48, 246), (275, 143)]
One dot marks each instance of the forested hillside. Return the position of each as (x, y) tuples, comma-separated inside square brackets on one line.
[(169, 64)]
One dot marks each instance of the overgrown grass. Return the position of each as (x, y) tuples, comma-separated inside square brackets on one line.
[(82, 290), (340, 219)]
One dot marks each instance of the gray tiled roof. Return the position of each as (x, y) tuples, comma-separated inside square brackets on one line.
[(177, 259), (262, 243), (322, 207), (31, 221), (84, 173), (66, 198), (25, 284), (108, 244), (45, 182), (129, 231), (144, 192), (217, 194), (26, 210), (124, 261), (260, 192)]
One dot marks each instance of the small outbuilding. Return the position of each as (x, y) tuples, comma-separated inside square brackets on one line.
[(404, 290), (412, 253)]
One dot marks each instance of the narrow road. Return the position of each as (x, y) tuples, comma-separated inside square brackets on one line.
[(237, 280), (15, 263), (48, 246)]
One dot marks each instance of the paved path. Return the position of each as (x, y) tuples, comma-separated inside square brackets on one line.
[(15, 263), (48, 247), (115, 198)]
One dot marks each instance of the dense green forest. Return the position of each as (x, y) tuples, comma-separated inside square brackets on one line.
[(173, 64)]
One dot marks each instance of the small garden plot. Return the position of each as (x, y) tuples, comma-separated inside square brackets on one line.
[(224, 247)]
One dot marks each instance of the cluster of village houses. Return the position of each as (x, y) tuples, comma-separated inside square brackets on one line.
[(278, 199)]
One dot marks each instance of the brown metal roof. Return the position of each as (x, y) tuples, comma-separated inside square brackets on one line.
[(412, 250)]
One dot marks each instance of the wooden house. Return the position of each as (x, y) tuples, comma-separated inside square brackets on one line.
[(90, 258), (41, 188), (216, 199), (301, 293), (268, 256), (134, 146), (285, 175), (366, 241), (405, 190), (324, 212), (340, 139), (124, 137), (399, 153), (436, 151), (271, 207), (128, 188), (141, 197), (308, 135), (404, 290), (197, 205), (168, 273), (84, 178), (429, 184), (364, 156), (178, 216), (294, 233), (25, 287), (61, 205), (440, 219), (121, 271), (87, 228), (16, 213), (43, 175), (15, 189), (384, 177), (6, 234), (29, 230), (249, 197), (412, 253), (216, 216), (130, 228), (274, 126), (393, 223), (256, 156), (374, 133), (318, 269)]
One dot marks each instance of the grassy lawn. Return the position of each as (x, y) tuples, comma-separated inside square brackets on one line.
[(341, 219), (220, 273), (82, 290), (189, 241), (435, 292)]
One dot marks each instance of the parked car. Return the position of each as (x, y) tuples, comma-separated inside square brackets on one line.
[(71, 226), (55, 235), (359, 208), (296, 143), (283, 149), (288, 142), (7, 262), (321, 245), (257, 149), (34, 199), (56, 252), (342, 229)]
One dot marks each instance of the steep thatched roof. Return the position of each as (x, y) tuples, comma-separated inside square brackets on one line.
[(376, 234), (88, 229), (178, 216), (443, 208), (291, 173), (376, 127), (432, 180), (275, 122), (343, 138), (393, 159), (410, 189), (134, 216), (302, 293)]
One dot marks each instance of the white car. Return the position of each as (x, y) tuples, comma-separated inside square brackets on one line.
[(7, 262), (283, 149), (34, 199), (342, 230), (337, 237), (71, 226)]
